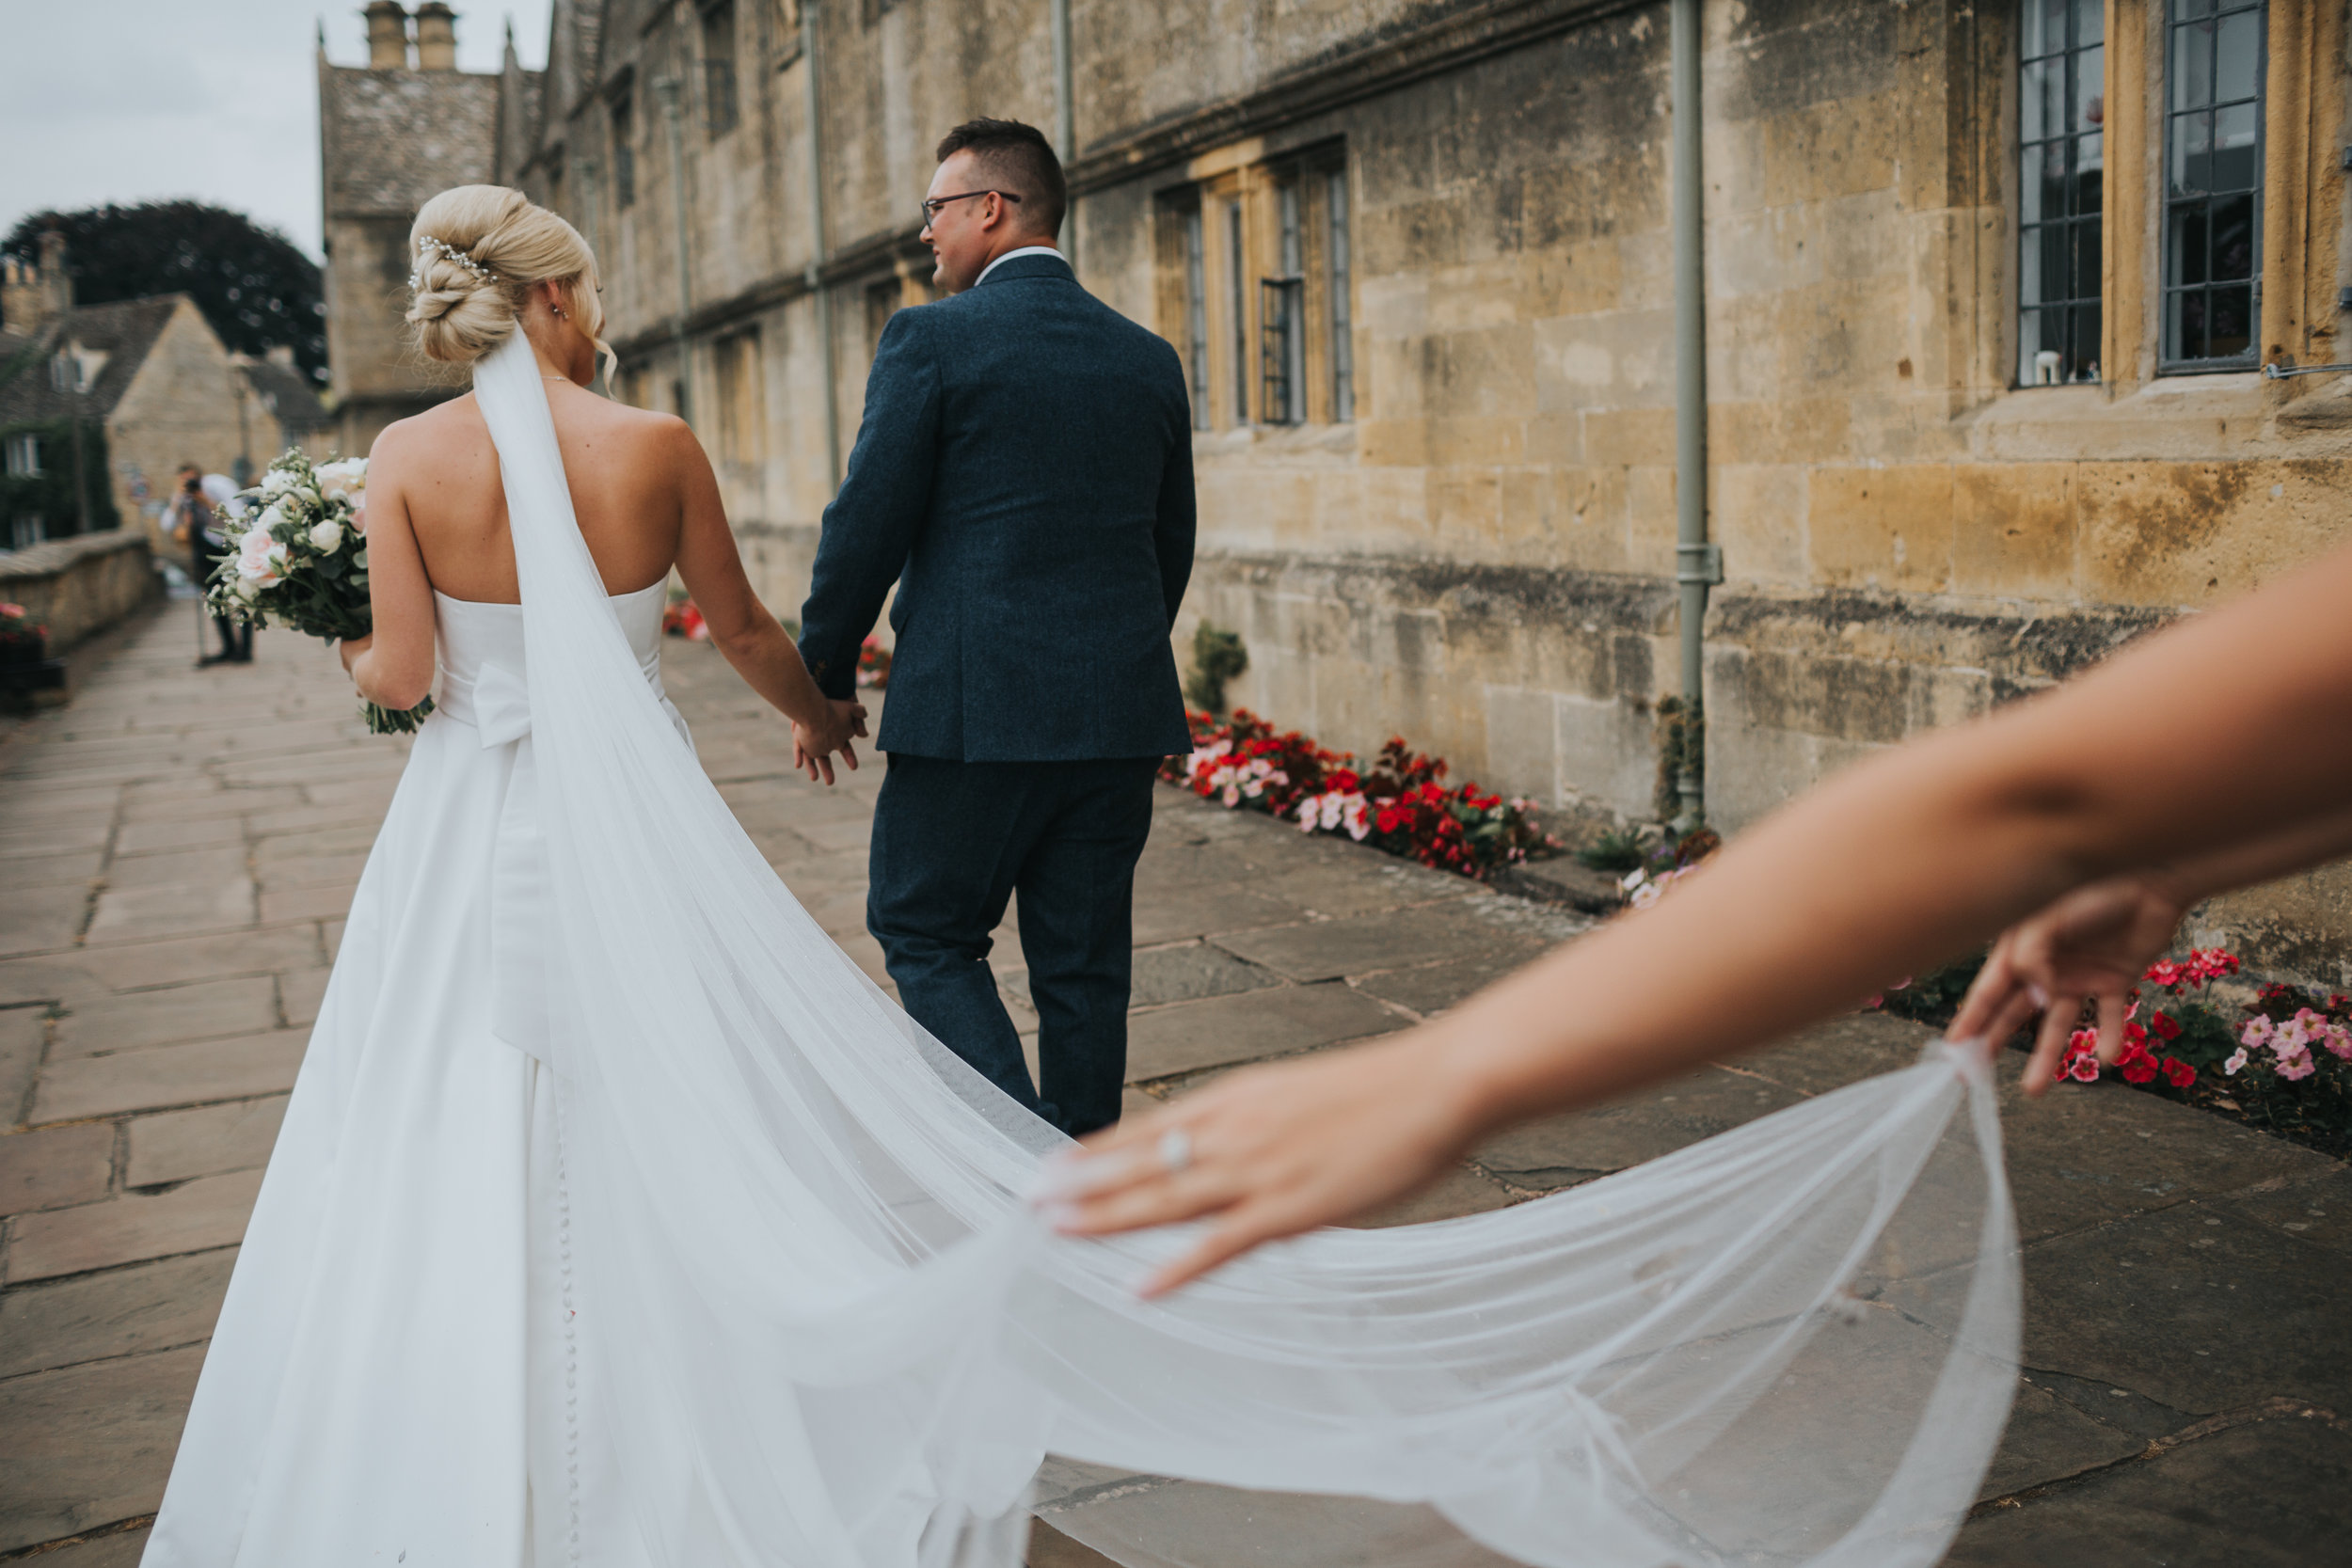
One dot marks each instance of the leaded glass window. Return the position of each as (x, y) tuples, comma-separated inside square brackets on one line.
[(2061, 156), (2215, 60), (1342, 312), (1197, 315)]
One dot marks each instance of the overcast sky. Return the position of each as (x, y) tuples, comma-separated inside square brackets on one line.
[(147, 100)]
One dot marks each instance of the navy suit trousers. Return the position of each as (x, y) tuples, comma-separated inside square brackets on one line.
[(953, 840)]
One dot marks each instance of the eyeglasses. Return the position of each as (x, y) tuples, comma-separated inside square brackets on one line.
[(932, 205)]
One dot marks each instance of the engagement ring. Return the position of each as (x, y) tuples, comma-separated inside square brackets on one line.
[(1176, 1151)]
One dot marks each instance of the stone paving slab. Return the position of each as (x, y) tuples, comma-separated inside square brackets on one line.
[(145, 1306), (2274, 1491), (175, 1146), (161, 1076), (87, 1446), (55, 1167), (152, 1056), (202, 1010), (192, 1217)]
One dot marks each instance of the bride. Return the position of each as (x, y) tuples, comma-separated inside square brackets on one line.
[(618, 1219)]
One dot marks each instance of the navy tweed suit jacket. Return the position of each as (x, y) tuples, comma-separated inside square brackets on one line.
[(1023, 473)]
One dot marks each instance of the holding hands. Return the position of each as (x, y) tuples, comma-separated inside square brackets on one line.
[(817, 738)]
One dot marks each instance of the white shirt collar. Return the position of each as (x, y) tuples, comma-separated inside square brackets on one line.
[(1024, 251)]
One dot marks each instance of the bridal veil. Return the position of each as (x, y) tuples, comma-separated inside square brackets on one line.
[(818, 1325)]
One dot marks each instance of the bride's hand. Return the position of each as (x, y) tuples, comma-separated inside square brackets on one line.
[(351, 647), (1268, 1152), (2093, 945), (812, 744)]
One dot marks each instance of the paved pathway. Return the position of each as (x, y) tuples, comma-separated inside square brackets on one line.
[(177, 848)]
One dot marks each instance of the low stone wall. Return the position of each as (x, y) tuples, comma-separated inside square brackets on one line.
[(78, 587)]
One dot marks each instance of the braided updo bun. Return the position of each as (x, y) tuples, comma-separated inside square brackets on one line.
[(480, 251)]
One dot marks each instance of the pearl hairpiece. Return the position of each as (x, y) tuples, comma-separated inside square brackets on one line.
[(427, 245)]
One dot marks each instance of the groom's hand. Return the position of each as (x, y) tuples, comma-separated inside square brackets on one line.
[(814, 743)]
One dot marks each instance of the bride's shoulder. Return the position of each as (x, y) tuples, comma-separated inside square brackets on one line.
[(646, 432), (441, 433)]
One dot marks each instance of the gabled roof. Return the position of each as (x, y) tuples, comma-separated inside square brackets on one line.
[(123, 330), (287, 393), (390, 140)]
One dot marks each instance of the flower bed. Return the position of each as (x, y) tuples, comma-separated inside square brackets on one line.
[(1399, 804), (873, 664)]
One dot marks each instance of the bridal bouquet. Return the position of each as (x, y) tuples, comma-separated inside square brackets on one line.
[(302, 561)]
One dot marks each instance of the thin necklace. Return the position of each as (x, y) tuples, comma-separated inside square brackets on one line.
[(555, 378)]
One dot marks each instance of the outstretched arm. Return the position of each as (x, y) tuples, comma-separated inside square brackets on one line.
[(1971, 830), (742, 626), (870, 527)]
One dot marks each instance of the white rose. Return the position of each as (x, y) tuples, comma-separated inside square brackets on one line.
[(261, 560), (246, 589), (271, 516), (341, 479), (325, 536), (277, 482)]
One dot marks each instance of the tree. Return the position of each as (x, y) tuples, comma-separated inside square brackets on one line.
[(255, 288)]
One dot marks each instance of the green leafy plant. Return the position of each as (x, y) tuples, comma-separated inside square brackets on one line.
[(1613, 851), (1218, 658)]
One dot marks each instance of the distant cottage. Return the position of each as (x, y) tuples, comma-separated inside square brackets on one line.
[(101, 404)]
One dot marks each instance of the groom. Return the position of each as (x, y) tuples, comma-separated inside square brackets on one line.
[(1023, 472)]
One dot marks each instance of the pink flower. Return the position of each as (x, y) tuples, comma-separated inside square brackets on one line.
[(2084, 1068), (2298, 1065), (2237, 1060)]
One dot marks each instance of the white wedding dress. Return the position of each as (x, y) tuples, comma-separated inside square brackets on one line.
[(619, 1220)]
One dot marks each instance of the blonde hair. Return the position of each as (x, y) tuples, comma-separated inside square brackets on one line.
[(480, 251)]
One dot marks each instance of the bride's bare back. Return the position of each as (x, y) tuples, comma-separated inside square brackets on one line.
[(629, 482)]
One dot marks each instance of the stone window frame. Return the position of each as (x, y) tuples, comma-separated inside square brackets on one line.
[(1236, 265), (1181, 271), (2304, 125), (739, 370), (620, 133), (24, 455), (721, 75)]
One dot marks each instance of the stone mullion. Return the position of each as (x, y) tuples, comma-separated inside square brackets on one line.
[(2303, 201), (2126, 245)]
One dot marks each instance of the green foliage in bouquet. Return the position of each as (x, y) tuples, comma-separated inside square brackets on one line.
[(302, 561)]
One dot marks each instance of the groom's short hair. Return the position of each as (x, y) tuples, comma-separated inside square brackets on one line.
[(1019, 160)]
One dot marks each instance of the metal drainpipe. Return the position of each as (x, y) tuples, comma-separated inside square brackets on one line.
[(816, 252), (673, 112), (1697, 562), (1065, 119)]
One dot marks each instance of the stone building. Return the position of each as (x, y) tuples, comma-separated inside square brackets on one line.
[(151, 378), (392, 134), (1991, 294)]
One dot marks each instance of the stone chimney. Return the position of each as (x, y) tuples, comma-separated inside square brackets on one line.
[(436, 37), (387, 35), (34, 294)]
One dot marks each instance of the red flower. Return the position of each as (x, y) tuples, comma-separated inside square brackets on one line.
[(2178, 1073), (2163, 1028), (2140, 1068), (1344, 781)]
